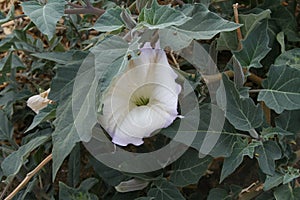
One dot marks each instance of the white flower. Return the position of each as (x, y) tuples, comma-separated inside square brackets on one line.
[(142, 100), (38, 102)]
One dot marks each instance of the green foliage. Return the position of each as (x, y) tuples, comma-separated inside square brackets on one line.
[(45, 16), (13, 163), (109, 21), (290, 58), (266, 154), (6, 128), (189, 168), (203, 25), (286, 192), (281, 89), (80, 193), (158, 17), (240, 149), (254, 47), (164, 190), (65, 135), (241, 112), (45, 114), (228, 40)]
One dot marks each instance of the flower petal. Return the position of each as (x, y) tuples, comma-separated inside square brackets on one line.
[(37, 103), (149, 77)]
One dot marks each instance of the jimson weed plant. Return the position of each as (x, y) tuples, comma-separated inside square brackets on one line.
[(146, 99)]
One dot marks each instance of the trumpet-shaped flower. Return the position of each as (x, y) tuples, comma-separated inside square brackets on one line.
[(141, 100), (38, 102)]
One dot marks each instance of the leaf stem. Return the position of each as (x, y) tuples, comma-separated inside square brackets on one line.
[(29, 176), (216, 77)]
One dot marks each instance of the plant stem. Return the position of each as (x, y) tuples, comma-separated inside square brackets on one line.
[(236, 19), (91, 10), (29, 176), (88, 9)]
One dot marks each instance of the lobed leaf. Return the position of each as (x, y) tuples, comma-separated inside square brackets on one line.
[(65, 135), (13, 163), (82, 192), (254, 47), (242, 113), (203, 25), (266, 154), (229, 41), (158, 16), (109, 21), (287, 192), (240, 149), (164, 190), (289, 120), (281, 89), (45, 16), (290, 58), (189, 168)]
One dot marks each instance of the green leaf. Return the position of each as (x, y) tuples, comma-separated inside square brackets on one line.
[(218, 193), (290, 174), (80, 193), (231, 192), (287, 22), (44, 115), (204, 25), (11, 61), (29, 188), (131, 185), (45, 16), (61, 57), (9, 15), (254, 47), (280, 40), (65, 135), (74, 166), (289, 121), (109, 21), (189, 168), (140, 4), (158, 16), (229, 41), (266, 154), (109, 175), (290, 58), (164, 190), (273, 181), (286, 192), (13, 163), (6, 127), (241, 149), (225, 140), (145, 198), (282, 89), (242, 113)]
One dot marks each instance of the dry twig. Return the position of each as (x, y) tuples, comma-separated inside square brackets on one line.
[(28, 177)]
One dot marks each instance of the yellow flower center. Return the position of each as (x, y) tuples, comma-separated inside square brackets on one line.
[(141, 101)]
